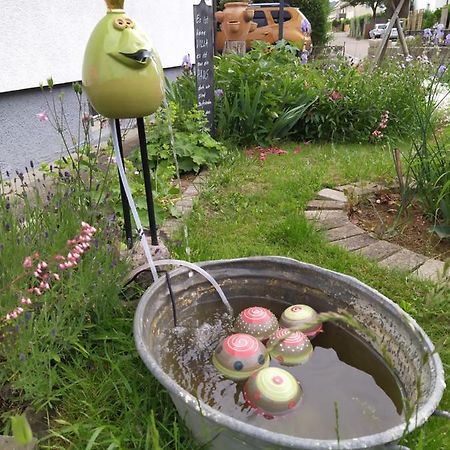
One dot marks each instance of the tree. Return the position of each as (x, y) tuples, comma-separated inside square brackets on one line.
[(372, 4)]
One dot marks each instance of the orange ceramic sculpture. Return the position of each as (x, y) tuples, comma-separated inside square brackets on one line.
[(236, 21)]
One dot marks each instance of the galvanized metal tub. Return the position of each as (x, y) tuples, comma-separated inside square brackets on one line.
[(393, 332)]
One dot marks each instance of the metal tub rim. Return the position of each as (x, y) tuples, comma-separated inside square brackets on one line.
[(388, 436)]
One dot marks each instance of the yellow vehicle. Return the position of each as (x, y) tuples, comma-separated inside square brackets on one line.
[(296, 27)]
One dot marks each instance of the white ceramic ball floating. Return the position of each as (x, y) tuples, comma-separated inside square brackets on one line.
[(303, 318), (292, 350), (240, 355), (272, 391), (257, 321)]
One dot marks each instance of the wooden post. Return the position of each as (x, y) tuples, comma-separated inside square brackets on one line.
[(419, 20), (238, 47), (384, 42), (444, 16), (401, 35)]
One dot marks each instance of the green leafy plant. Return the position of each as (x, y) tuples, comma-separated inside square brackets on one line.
[(345, 102), (428, 162), (191, 141)]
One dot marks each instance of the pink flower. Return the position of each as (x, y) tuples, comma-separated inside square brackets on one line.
[(297, 150), (27, 263), (26, 301), (85, 117), (42, 116), (335, 95)]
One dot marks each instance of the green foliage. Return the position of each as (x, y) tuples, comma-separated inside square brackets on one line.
[(192, 143), (254, 108), (21, 430), (345, 103), (317, 12), (35, 346), (428, 164), (182, 92), (357, 25), (430, 18)]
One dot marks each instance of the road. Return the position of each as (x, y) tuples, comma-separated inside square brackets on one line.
[(356, 48)]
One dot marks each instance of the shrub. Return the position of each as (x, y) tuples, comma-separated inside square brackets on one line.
[(317, 12), (345, 102), (191, 142), (254, 107)]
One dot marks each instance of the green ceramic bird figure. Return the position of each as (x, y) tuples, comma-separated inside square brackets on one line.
[(122, 73)]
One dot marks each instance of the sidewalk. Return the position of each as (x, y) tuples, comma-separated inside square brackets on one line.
[(355, 48)]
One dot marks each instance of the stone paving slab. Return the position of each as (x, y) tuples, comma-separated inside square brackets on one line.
[(326, 220), (332, 194), (343, 232), (432, 269), (325, 204), (379, 250), (404, 260), (9, 443), (359, 188), (355, 242)]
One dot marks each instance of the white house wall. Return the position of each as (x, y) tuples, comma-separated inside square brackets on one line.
[(47, 38)]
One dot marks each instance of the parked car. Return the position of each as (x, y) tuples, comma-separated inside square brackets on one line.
[(296, 28), (378, 31)]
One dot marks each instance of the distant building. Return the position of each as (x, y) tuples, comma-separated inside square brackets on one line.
[(431, 5), (342, 10)]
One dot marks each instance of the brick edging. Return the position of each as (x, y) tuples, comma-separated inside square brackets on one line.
[(328, 210)]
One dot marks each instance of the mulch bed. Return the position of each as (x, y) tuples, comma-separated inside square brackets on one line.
[(378, 213)]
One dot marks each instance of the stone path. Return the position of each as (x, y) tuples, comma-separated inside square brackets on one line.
[(328, 211)]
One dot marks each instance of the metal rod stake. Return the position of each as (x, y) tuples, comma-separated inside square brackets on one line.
[(147, 181), (125, 204), (281, 21)]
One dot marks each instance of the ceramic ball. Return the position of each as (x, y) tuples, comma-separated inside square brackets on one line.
[(302, 317), (293, 350), (257, 321), (272, 391), (240, 355)]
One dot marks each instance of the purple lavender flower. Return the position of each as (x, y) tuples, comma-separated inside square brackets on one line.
[(447, 39), (218, 93), (427, 33), (441, 70), (186, 64), (305, 26), (304, 57), (440, 27)]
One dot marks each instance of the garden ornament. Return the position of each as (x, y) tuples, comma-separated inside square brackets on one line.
[(122, 73), (272, 391), (123, 78), (303, 318), (240, 355), (291, 350), (257, 321), (236, 21)]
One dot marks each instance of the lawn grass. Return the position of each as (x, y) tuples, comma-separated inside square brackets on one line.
[(256, 208), (105, 396)]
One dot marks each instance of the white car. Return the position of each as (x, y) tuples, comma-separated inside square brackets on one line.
[(378, 31)]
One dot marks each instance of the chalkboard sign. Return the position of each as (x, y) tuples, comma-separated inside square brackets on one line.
[(204, 64)]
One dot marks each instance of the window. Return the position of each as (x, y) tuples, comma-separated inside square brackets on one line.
[(260, 18), (276, 14)]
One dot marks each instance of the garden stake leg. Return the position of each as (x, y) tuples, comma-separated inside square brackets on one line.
[(125, 204), (147, 181)]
